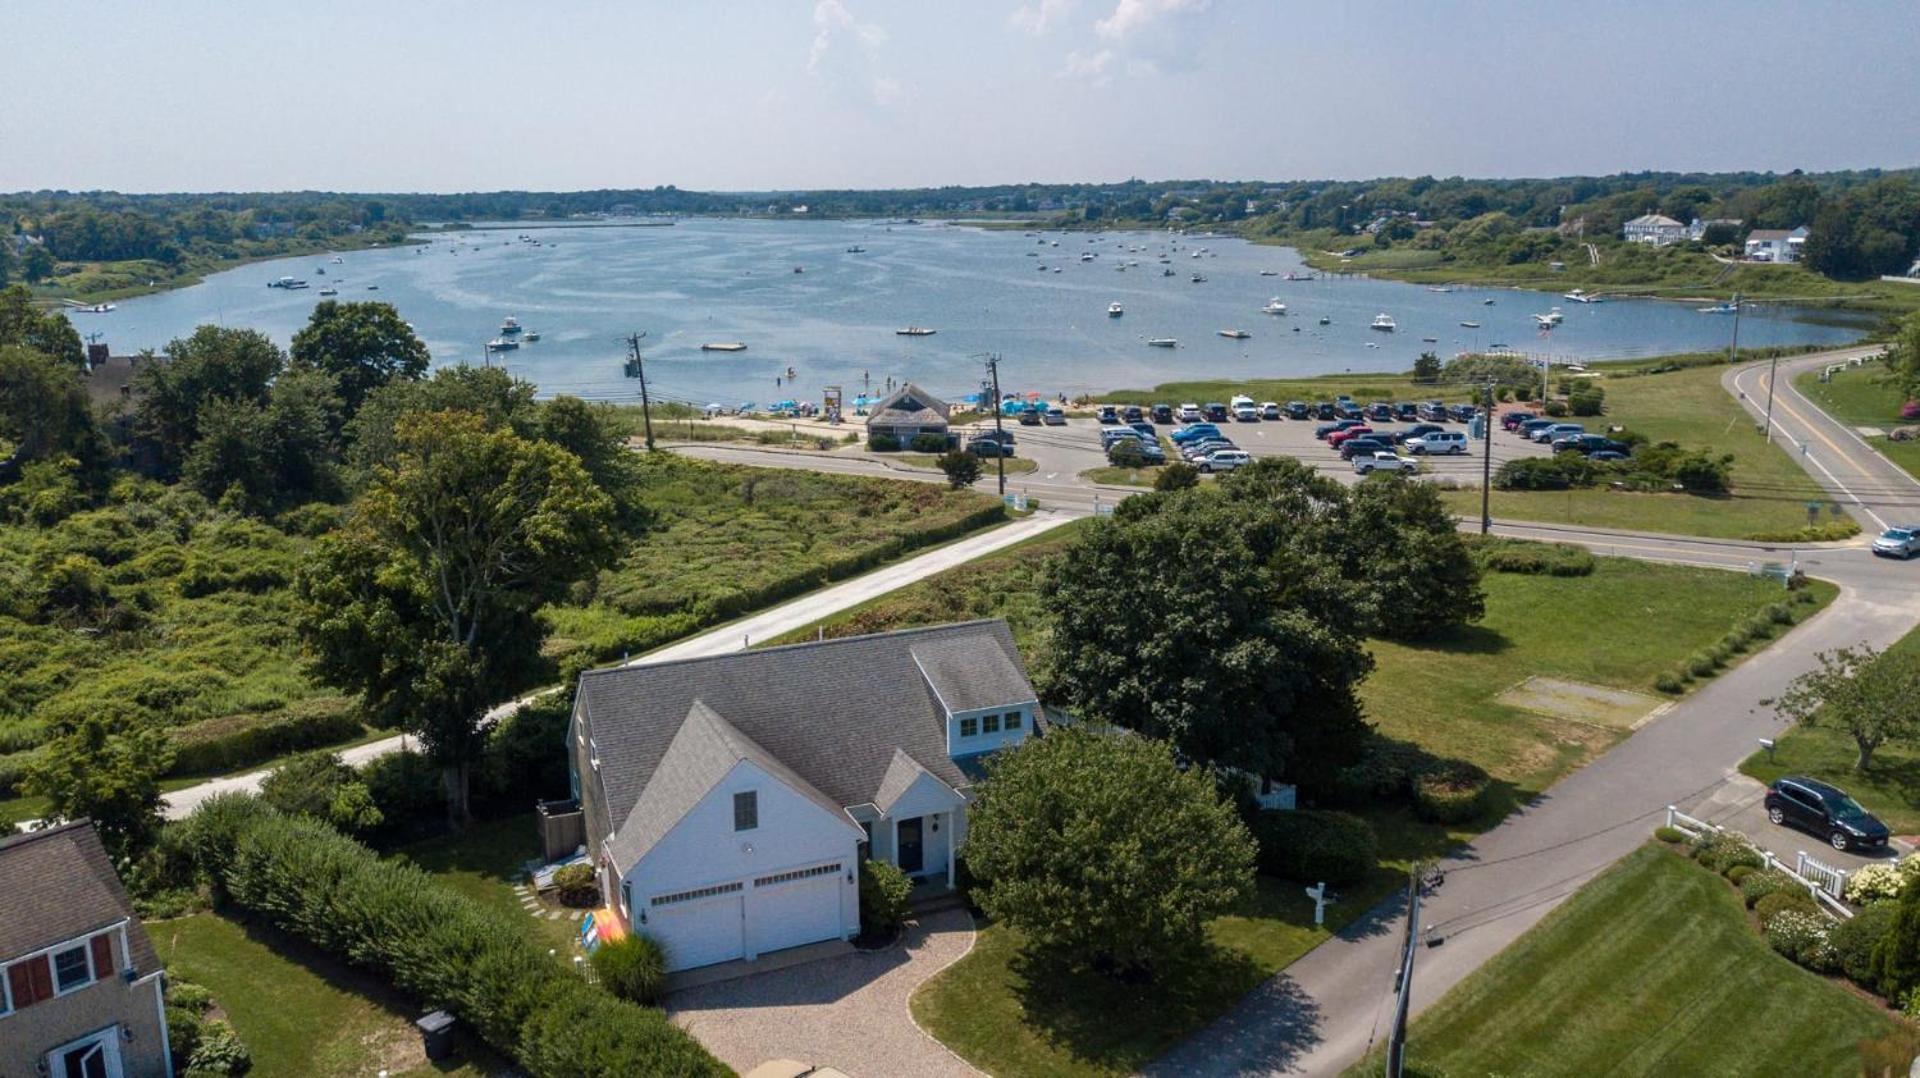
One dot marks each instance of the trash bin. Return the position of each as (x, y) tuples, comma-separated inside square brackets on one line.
[(436, 1035)]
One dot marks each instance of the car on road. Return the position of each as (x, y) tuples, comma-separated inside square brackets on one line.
[(1897, 542), (1433, 412), (1339, 436), (1163, 413), (1029, 418), (1223, 460), (1512, 420), (1217, 412), (1109, 414), (982, 446), (1055, 416), (1406, 411), (1133, 414), (1297, 410), (1190, 413), (1194, 432), (1330, 429), (1270, 410), (1439, 442), (1554, 431), (1824, 810), (1384, 461), (1360, 447)]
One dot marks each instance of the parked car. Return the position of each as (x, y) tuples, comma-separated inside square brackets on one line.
[(1328, 430), (1339, 436), (1588, 444), (1217, 412), (1190, 413), (1029, 418), (1109, 414), (1827, 811), (1200, 449), (1606, 455), (1384, 461), (1406, 412), (1415, 431), (989, 447), (1110, 435), (1133, 414), (1297, 410), (1433, 412), (1270, 410), (1326, 410), (1223, 460), (1530, 427), (1193, 432), (993, 435), (1364, 445), (1055, 416), (1548, 433), (1512, 420), (1897, 542), (1439, 442), (1350, 410), (1463, 413), (1162, 413), (1148, 451)]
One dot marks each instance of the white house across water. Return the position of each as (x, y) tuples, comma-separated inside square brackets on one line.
[(728, 801)]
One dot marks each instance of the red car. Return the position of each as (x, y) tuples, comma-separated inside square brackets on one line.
[(1339, 436)]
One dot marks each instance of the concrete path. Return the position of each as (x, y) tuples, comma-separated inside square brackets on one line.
[(733, 636), (849, 1013)]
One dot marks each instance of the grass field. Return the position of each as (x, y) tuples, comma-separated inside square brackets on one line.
[(1891, 787), (1111, 475), (1015, 465), (301, 1012), (1860, 397), (1651, 969)]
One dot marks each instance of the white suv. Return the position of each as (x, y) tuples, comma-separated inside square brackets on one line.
[(1189, 413), (1384, 462), (1440, 441), (1224, 460)]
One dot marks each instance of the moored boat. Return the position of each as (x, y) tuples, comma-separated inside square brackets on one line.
[(1383, 322), (1234, 334), (1162, 342), (914, 331), (724, 346)]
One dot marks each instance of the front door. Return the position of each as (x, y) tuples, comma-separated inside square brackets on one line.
[(907, 856), (92, 1058)]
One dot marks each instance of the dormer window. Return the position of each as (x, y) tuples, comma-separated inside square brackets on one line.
[(1013, 720), (746, 810), (989, 724), (969, 727)]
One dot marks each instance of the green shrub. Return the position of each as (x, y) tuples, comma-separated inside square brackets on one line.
[(632, 967), (236, 741), (883, 897), (1880, 881), (1502, 555), (183, 1034), (1669, 683), (1671, 835), (1855, 940), (576, 885), (1739, 872), (575, 1030), (1779, 613), (883, 443), (404, 786), (1385, 771), (1454, 792), (1781, 902), (1555, 409), (930, 443), (1719, 851), (1312, 846), (319, 785), (220, 1050), (1702, 665), (1800, 935), (189, 996), (1770, 882), (526, 753)]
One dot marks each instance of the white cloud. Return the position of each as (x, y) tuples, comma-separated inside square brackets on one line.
[(831, 19), (1039, 17), (1094, 67), (1130, 16), (850, 70)]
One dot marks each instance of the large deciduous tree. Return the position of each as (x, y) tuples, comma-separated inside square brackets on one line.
[(1103, 852), (1873, 697), (1398, 537), (425, 599), (108, 768), (214, 363), (362, 345), (44, 412)]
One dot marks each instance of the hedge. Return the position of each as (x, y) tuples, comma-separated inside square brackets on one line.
[(434, 944), (1454, 792), (1502, 555), (234, 741), (1313, 846)]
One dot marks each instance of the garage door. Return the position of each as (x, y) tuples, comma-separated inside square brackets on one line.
[(699, 928), (792, 908)]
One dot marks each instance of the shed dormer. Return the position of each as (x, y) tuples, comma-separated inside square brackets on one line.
[(988, 703)]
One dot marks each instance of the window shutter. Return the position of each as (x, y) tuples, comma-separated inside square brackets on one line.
[(42, 970), (20, 982), (102, 955)]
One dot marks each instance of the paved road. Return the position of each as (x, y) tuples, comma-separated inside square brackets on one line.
[(733, 636)]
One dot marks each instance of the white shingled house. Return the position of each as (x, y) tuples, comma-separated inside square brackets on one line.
[(728, 801)]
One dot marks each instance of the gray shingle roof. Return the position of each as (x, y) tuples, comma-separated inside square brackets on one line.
[(61, 886), (902, 771), (969, 673), (832, 712), (909, 406)]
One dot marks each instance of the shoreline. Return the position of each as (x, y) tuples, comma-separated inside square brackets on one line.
[(200, 272)]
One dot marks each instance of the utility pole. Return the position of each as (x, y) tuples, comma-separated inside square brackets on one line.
[(1000, 456), (1486, 468), (1403, 980), (640, 370)]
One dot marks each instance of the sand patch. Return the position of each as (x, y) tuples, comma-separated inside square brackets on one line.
[(1595, 704)]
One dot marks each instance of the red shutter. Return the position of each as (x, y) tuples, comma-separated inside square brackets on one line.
[(102, 955), (42, 970), (20, 982)]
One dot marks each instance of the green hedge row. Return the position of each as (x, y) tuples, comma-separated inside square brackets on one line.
[(433, 943), (1312, 846), (234, 741)]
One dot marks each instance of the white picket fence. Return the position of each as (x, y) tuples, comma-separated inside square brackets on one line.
[(1824, 882)]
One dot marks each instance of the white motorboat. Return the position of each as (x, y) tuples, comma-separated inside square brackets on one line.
[(1383, 322), (329, 291), (1470, 325), (1234, 334), (531, 336), (502, 344), (509, 326), (1550, 319), (914, 331), (1086, 256), (724, 346), (1274, 306), (1720, 308), (1581, 295), (1114, 310), (1162, 342)]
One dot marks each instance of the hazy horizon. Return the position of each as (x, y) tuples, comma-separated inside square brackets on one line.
[(862, 94)]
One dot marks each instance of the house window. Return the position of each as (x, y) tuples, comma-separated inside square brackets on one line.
[(746, 810), (989, 724), (1013, 720), (969, 727), (72, 969)]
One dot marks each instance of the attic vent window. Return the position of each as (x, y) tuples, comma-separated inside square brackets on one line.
[(746, 810), (908, 404)]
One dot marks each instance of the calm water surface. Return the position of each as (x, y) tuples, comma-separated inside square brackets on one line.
[(584, 288)]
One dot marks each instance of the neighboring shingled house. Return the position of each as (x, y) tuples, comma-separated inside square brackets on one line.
[(728, 800), (81, 995), (909, 411)]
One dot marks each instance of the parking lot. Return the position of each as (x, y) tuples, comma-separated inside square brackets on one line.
[(1061, 452)]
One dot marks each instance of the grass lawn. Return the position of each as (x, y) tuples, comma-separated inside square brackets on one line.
[(1859, 397), (300, 1011), (1890, 789), (1015, 465), (1009, 1017), (1689, 407), (1122, 477), (1652, 969), (484, 864)]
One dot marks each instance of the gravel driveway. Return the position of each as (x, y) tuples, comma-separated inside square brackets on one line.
[(848, 1012)]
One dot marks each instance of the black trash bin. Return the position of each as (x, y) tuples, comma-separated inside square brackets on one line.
[(436, 1034)]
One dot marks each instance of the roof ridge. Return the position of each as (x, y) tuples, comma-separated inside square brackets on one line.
[(10, 842), (911, 630)]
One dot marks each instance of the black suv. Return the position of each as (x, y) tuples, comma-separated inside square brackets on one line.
[(1163, 413), (1826, 811)]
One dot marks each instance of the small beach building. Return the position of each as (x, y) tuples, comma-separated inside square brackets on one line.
[(909, 411)]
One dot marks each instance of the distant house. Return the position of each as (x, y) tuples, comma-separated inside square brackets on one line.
[(907, 412), (1775, 244), (1653, 228), (110, 377), (728, 801), (81, 995)]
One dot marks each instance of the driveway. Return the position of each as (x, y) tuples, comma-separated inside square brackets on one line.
[(1737, 805), (848, 1012)]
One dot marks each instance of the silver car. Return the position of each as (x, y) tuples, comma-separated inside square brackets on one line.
[(1900, 542)]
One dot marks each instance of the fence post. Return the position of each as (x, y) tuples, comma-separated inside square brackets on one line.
[(1670, 811)]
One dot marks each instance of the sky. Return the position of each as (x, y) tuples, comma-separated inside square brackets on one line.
[(426, 95)]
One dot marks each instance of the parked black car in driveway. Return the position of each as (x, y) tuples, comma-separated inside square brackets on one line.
[(1827, 811)]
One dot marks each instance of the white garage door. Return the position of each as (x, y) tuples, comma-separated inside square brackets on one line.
[(792, 908), (699, 928)]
